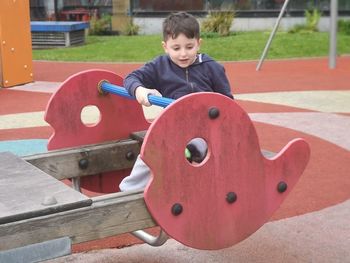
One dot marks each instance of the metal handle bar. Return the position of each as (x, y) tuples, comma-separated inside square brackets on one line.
[(104, 86), (151, 240)]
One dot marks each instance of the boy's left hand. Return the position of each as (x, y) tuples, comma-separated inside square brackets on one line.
[(141, 94)]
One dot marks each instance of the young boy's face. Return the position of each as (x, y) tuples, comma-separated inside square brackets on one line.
[(182, 50)]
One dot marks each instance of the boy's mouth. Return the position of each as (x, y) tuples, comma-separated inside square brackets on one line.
[(184, 61)]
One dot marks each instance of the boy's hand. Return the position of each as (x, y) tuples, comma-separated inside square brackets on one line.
[(141, 94)]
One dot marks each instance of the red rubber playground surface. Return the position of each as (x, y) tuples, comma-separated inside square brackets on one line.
[(286, 99)]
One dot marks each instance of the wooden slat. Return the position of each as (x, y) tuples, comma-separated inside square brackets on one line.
[(138, 136), (111, 156), (108, 215), (63, 164)]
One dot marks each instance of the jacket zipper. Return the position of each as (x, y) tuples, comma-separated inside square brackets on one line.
[(187, 80)]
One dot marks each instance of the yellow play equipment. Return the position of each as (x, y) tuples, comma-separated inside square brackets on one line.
[(15, 43)]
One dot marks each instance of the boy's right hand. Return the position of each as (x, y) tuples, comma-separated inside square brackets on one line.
[(141, 94)]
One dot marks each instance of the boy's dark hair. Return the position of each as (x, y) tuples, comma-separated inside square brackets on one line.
[(178, 23)]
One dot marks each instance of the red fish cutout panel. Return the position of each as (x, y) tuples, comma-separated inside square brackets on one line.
[(118, 118), (234, 191)]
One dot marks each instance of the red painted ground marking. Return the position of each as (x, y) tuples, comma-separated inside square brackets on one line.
[(275, 75), (289, 75), (60, 71), (16, 101), (26, 133), (259, 107), (326, 180)]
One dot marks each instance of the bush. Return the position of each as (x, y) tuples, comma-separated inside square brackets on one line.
[(209, 35), (218, 22), (131, 29), (101, 26), (312, 19), (344, 26)]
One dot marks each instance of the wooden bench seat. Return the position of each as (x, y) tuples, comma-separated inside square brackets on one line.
[(48, 34)]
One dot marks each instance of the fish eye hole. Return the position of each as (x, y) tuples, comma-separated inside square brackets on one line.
[(196, 151)]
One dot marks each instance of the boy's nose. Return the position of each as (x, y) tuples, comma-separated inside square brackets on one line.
[(183, 53)]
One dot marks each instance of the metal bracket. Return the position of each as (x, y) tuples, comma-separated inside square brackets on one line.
[(76, 184)]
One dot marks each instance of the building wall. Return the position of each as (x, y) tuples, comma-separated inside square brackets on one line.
[(149, 14), (152, 25)]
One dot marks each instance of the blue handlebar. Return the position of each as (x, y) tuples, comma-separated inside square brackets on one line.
[(121, 91)]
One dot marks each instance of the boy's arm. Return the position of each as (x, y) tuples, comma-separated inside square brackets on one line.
[(220, 81), (139, 83)]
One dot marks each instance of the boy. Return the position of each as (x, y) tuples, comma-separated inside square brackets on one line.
[(181, 71)]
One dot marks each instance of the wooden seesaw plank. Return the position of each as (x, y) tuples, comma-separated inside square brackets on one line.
[(109, 215), (26, 191), (105, 157)]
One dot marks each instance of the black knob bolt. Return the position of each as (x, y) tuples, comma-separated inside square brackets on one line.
[(213, 113), (176, 209), (231, 197), (130, 156), (282, 187), (83, 163)]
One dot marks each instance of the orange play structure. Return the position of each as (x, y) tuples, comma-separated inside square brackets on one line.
[(15, 44)]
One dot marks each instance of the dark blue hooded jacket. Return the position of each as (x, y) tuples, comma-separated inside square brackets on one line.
[(172, 81)]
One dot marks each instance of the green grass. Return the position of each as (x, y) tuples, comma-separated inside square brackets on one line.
[(238, 46)]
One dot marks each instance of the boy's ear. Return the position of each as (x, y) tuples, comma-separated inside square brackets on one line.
[(199, 43), (164, 46)]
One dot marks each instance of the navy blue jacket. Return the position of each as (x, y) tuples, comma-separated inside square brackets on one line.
[(172, 81)]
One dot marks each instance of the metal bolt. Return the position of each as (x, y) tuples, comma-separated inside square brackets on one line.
[(176, 209), (130, 156), (231, 197), (83, 163), (49, 200), (282, 187), (99, 87), (214, 113)]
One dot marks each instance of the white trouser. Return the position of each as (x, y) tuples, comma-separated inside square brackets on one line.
[(140, 173)]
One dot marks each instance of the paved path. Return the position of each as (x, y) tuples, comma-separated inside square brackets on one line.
[(287, 99)]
